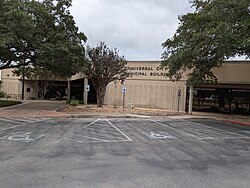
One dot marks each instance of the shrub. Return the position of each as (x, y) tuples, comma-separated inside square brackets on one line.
[(74, 102), (4, 103), (2, 94)]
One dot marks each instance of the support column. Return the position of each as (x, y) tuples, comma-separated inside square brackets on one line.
[(190, 103), (85, 93), (68, 96), (23, 80)]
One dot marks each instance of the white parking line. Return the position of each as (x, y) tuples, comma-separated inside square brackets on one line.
[(21, 120), (193, 135), (183, 132), (224, 138), (101, 124), (105, 135), (115, 133), (79, 141), (90, 137), (234, 135), (88, 125), (36, 120), (94, 139), (217, 129), (119, 130), (7, 120), (10, 128)]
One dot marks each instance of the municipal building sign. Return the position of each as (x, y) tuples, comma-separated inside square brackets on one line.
[(147, 71)]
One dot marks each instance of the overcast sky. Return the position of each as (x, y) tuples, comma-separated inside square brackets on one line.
[(136, 28)]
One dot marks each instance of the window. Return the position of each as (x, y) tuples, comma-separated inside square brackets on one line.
[(28, 89)]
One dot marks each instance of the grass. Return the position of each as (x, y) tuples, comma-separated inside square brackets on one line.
[(4, 103)]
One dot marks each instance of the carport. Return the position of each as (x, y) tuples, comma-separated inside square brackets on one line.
[(222, 98)]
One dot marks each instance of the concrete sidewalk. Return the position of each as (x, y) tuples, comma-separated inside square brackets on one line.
[(35, 109), (31, 113)]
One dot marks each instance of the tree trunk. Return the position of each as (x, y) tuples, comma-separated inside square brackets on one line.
[(100, 96)]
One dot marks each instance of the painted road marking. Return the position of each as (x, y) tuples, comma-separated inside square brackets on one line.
[(246, 132), (119, 130), (6, 120), (206, 136), (217, 129), (35, 120), (96, 130), (100, 130), (159, 135), (21, 120), (183, 132), (22, 136), (80, 141), (89, 137), (93, 133), (26, 120), (7, 123), (88, 125), (225, 138), (10, 128)]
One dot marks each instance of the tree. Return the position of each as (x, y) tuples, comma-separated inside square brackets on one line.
[(104, 65), (41, 33), (42, 78), (216, 31), (2, 93), (16, 29)]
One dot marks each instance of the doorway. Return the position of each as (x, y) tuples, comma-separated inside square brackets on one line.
[(92, 96)]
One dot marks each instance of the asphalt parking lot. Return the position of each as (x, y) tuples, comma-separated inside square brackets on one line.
[(44, 152)]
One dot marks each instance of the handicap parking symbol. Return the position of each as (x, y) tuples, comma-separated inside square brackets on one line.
[(159, 135), (22, 136)]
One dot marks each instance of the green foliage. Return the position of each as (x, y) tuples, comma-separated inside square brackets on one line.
[(74, 102), (15, 28), (216, 31), (2, 94), (104, 65), (4, 103), (41, 33), (42, 78)]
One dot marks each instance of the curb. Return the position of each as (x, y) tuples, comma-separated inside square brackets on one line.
[(139, 116), (236, 122), (115, 116), (98, 116)]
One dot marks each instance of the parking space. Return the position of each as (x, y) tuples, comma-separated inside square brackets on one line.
[(119, 130), (100, 130), (201, 131), (18, 129), (10, 123), (162, 152)]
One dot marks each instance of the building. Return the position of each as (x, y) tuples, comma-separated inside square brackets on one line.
[(232, 92), (148, 87)]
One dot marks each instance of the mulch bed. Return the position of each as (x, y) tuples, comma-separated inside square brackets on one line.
[(110, 109)]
